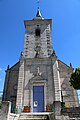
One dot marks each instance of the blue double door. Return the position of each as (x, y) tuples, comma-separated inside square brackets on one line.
[(38, 98)]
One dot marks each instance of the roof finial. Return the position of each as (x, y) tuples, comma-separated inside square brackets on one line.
[(38, 15)]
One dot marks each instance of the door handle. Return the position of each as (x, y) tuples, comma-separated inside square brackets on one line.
[(35, 103)]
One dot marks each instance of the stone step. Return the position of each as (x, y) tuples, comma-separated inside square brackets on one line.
[(33, 117)]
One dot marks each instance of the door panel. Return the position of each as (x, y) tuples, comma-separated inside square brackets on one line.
[(38, 98)]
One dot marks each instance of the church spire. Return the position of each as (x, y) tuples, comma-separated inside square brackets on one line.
[(38, 15)]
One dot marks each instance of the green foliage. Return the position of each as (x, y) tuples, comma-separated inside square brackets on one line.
[(63, 104), (0, 104), (75, 79)]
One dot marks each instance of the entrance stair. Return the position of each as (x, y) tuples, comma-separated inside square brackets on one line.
[(35, 116)]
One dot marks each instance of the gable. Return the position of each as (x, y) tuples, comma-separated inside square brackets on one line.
[(38, 77)]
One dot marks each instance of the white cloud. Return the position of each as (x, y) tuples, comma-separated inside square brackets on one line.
[(0, 79)]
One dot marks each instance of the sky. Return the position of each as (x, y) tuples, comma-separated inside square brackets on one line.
[(65, 15)]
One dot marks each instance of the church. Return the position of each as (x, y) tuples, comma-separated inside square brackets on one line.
[(39, 81)]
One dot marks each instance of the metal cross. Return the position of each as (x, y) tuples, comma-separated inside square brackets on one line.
[(38, 3)]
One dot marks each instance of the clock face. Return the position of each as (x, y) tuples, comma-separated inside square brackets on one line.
[(15, 87)]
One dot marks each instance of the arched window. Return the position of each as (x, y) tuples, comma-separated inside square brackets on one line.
[(37, 32)]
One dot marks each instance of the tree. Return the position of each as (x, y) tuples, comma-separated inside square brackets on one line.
[(75, 79)]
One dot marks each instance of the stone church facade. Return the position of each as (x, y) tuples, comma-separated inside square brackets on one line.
[(39, 81)]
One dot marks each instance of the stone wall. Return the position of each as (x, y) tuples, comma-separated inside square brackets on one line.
[(40, 46), (11, 83), (4, 111), (73, 112), (20, 88), (13, 116), (69, 94), (44, 77)]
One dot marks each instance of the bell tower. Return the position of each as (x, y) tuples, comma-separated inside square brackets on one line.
[(38, 41), (38, 80)]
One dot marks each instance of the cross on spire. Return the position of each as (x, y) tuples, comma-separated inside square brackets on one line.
[(38, 3), (38, 15)]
